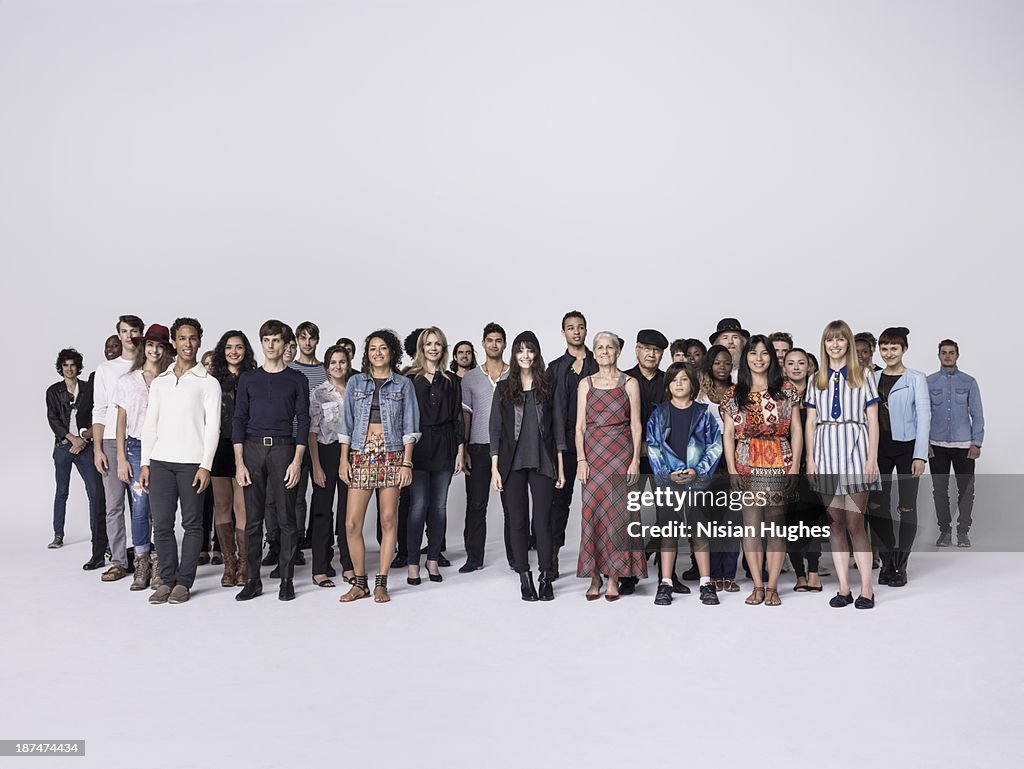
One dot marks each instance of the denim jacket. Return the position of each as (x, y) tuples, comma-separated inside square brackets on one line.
[(910, 411), (956, 408), (399, 412), (703, 449)]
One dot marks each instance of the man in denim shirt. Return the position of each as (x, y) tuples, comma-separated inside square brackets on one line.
[(958, 429)]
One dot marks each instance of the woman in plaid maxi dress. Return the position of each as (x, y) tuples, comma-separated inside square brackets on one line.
[(608, 435)]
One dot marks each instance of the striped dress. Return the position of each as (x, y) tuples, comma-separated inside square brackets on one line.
[(841, 435)]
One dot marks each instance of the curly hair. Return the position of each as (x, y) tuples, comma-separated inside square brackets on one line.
[(390, 338), (220, 369), (69, 353), (179, 322), (707, 380)]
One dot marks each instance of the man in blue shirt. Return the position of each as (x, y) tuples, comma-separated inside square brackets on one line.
[(957, 432)]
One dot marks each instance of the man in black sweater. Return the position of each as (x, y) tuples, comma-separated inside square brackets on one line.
[(267, 456)]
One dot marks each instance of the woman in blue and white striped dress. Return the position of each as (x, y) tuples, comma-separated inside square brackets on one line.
[(841, 433)]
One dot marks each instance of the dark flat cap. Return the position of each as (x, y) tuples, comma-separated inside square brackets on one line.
[(652, 338)]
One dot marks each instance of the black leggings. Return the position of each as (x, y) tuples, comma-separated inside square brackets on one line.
[(898, 456), (520, 486)]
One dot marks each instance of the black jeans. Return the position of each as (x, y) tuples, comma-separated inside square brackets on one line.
[(963, 466), (562, 500), (170, 484), (520, 486), (898, 456), (428, 505), (267, 466), (322, 512), (478, 493)]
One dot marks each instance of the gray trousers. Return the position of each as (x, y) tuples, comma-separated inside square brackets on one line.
[(170, 483), (114, 493)]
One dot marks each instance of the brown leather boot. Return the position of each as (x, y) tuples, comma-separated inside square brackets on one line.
[(242, 569), (226, 536)]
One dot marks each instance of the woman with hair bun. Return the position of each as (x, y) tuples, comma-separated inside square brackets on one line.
[(904, 421)]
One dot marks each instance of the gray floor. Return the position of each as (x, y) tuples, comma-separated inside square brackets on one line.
[(464, 674)]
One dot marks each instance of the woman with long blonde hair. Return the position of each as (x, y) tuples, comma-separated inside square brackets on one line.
[(842, 450), (438, 454)]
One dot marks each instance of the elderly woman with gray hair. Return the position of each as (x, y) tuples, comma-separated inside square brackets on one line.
[(608, 437)]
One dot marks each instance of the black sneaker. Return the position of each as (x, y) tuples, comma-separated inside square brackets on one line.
[(840, 601), (663, 596), (945, 539), (58, 542), (962, 540), (708, 594)]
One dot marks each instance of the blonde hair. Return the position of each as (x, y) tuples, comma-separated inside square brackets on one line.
[(419, 362), (610, 335), (854, 373)]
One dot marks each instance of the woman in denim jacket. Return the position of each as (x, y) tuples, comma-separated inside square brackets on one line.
[(380, 426), (687, 460), (904, 421)]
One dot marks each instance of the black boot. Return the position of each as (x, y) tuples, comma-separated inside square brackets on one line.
[(253, 588), (526, 584), (885, 574), (544, 589), (898, 575)]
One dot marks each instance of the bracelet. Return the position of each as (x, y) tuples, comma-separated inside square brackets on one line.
[(580, 460), (407, 463)]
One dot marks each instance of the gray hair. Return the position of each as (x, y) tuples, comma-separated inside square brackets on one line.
[(614, 337)]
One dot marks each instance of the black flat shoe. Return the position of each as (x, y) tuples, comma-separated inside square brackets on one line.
[(627, 585), (443, 562), (270, 558), (399, 563), (864, 603), (467, 567), (300, 559), (253, 588), (840, 601), (679, 587), (664, 595), (95, 562), (275, 573), (287, 590)]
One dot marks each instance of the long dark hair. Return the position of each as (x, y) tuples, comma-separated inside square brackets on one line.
[(744, 380), (390, 338), (513, 392), (219, 368)]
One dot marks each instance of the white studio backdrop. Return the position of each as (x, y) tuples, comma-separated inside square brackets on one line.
[(653, 164)]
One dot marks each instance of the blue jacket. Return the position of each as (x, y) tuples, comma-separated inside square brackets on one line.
[(910, 412), (399, 412), (957, 416), (703, 449)]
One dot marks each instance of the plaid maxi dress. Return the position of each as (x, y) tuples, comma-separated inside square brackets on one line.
[(605, 546)]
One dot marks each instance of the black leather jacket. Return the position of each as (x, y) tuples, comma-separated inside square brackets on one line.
[(58, 409), (565, 395)]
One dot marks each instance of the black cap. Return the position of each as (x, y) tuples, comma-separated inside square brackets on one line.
[(652, 338), (525, 336), (728, 324)]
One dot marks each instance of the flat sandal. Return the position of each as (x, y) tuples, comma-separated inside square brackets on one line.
[(754, 599)]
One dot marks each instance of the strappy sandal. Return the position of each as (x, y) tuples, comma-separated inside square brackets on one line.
[(380, 589), (719, 584), (731, 586), (360, 589), (756, 598), (325, 582), (771, 597)]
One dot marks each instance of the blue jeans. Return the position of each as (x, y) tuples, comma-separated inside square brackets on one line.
[(63, 459), (429, 503), (141, 523)]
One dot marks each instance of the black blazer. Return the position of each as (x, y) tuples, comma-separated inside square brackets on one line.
[(506, 418)]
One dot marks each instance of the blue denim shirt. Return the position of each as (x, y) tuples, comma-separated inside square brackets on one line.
[(399, 412), (910, 413), (957, 416), (703, 449)]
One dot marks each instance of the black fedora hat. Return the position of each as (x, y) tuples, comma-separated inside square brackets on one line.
[(728, 324)]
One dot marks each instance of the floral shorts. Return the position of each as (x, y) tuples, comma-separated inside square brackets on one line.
[(375, 467)]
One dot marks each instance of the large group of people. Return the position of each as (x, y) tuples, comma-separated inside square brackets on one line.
[(228, 446)]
